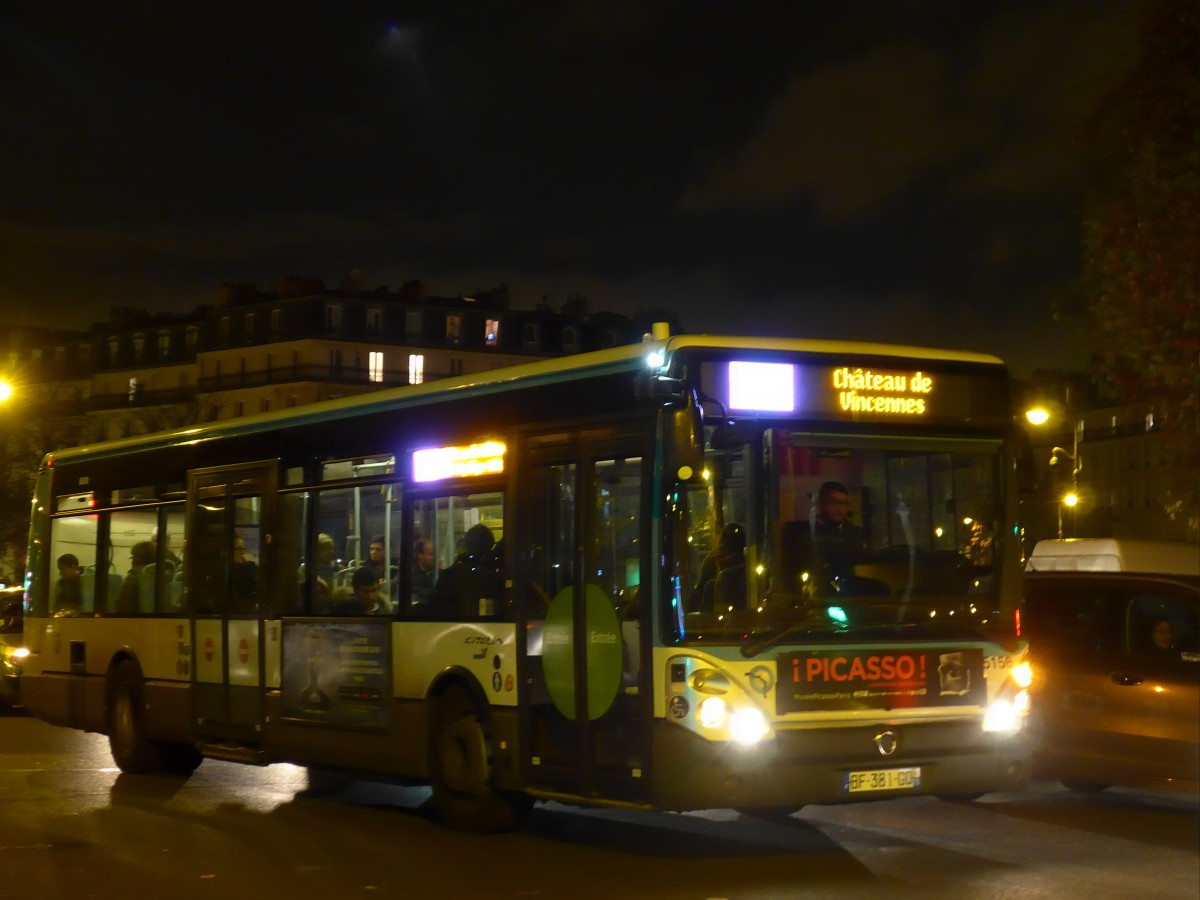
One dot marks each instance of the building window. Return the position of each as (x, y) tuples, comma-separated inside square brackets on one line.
[(190, 338), (224, 329), (60, 354), (264, 405), (375, 366), (374, 320), (333, 317), (531, 336), (456, 365), (85, 352), (250, 321), (453, 328), (114, 350), (164, 344), (276, 320), (491, 334), (416, 368), (133, 389), (412, 323), (335, 363), (139, 347), (570, 339), (608, 338)]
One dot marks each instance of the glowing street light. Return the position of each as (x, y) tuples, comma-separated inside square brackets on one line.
[(6, 391), (1038, 415)]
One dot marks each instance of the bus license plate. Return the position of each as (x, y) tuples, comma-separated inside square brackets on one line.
[(882, 780)]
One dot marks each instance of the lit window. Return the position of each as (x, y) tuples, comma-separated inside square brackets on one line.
[(492, 332), (375, 365), (133, 387), (416, 368)]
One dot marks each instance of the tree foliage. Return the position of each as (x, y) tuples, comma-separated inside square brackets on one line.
[(1141, 231)]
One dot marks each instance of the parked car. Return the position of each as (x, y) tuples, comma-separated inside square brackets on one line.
[(1114, 634), (12, 650)]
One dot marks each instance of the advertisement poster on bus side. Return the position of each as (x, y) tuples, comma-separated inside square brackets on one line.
[(871, 678), (337, 673)]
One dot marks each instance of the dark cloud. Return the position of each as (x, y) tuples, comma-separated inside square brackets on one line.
[(900, 169)]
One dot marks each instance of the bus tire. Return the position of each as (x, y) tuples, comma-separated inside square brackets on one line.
[(131, 750), (460, 767)]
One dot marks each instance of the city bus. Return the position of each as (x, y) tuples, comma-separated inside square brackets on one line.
[(598, 580)]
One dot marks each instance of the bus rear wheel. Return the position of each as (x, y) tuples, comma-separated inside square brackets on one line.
[(460, 768)]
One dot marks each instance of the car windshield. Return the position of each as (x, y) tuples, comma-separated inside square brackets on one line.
[(788, 536)]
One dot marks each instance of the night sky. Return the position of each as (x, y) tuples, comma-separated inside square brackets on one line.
[(876, 170)]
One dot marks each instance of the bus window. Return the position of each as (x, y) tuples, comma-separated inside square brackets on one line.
[(135, 570), (73, 550), (467, 534), (294, 590)]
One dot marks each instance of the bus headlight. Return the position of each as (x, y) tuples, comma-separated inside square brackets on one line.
[(748, 725), (1006, 715), (1022, 674), (711, 712)]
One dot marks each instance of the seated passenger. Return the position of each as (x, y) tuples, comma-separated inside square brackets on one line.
[(468, 588), (141, 555), (68, 591), (723, 585), (366, 599), (1162, 637)]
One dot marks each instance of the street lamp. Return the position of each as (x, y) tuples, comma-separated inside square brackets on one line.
[(1058, 454), (6, 391)]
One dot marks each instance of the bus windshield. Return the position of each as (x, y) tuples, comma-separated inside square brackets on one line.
[(791, 536)]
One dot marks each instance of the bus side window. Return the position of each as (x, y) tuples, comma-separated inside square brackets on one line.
[(292, 596), (72, 565)]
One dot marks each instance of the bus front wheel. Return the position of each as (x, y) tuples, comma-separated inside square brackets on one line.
[(132, 751), (460, 767)]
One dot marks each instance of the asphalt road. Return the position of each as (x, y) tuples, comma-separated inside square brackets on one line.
[(71, 826)]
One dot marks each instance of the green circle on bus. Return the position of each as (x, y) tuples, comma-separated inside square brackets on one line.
[(603, 652)]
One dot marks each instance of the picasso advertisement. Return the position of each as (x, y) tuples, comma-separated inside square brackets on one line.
[(336, 673), (880, 679)]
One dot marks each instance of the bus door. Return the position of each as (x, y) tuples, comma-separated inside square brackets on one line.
[(227, 535), (583, 559)]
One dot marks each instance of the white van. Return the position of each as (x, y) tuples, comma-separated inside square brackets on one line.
[(1114, 555)]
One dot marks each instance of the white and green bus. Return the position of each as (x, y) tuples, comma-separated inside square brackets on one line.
[(602, 580)]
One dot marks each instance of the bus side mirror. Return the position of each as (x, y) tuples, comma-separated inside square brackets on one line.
[(687, 442)]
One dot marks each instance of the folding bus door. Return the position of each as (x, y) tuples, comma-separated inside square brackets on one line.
[(584, 531), (229, 512)]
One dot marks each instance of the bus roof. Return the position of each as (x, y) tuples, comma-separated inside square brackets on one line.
[(1114, 555), (560, 369)]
